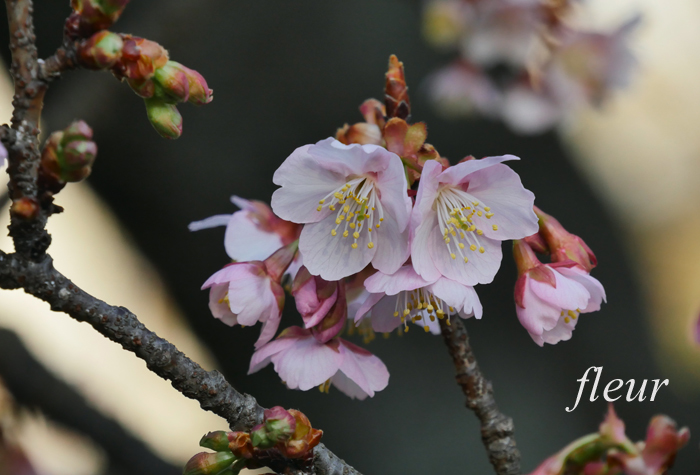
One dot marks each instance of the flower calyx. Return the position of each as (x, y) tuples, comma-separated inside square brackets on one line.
[(562, 244)]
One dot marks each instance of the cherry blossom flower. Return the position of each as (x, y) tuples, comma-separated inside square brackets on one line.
[(395, 299), (461, 216), (304, 362), (254, 232), (353, 202), (462, 88), (550, 297), (245, 293)]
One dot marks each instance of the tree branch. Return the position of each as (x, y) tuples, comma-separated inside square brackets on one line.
[(209, 388), (497, 430)]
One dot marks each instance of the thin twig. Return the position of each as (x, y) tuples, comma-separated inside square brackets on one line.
[(497, 430)]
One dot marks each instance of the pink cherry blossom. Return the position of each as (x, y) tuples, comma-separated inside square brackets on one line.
[(254, 232), (462, 88), (322, 304), (462, 214), (353, 202), (394, 299), (245, 293), (550, 297), (304, 362)]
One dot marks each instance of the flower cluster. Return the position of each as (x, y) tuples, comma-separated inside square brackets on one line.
[(610, 452), (144, 65), (376, 228), (283, 439), (523, 61)]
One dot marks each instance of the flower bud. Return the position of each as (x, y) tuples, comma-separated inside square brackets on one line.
[(279, 423), (97, 15), (305, 437), (101, 51), (562, 244), (140, 59), (68, 155), (209, 463), (278, 263), (362, 133), (217, 441), (25, 208), (334, 322), (164, 117), (173, 81), (199, 90), (396, 91), (240, 445)]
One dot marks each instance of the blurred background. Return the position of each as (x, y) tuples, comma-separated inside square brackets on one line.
[(624, 176)]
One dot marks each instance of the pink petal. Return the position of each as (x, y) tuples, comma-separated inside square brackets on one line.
[(500, 188), (538, 315), (421, 255), (481, 268), (366, 306), (561, 332), (382, 315), (592, 285), (304, 181), (568, 294), (427, 189), (210, 222), (458, 296), (348, 387), (392, 186), (457, 174), (332, 257), (246, 241), (405, 278), (363, 368), (307, 364), (391, 244), (218, 308), (262, 355)]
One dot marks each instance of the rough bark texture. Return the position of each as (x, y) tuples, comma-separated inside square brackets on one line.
[(31, 269), (497, 430)]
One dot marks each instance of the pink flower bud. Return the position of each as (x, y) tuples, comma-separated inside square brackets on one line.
[(209, 463), (199, 90), (562, 244), (314, 296), (101, 51), (68, 155), (173, 81), (164, 117), (662, 443), (334, 322)]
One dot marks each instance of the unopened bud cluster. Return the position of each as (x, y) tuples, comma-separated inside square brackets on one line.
[(68, 155), (284, 438), (147, 68)]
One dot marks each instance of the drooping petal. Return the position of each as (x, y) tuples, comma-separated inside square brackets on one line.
[(382, 315), (210, 222), (332, 257), (288, 338), (458, 296), (561, 332), (511, 204), (362, 310), (538, 315), (362, 367), (348, 387), (392, 245), (405, 278), (219, 305), (304, 181), (567, 295), (307, 363), (268, 330), (481, 268), (592, 285), (457, 174)]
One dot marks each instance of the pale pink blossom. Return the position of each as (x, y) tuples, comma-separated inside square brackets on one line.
[(244, 293), (462, 214), (304, 362), (550, 297), (254, 233), (462, 89), (405, 296), (353, 202), (322, 304)]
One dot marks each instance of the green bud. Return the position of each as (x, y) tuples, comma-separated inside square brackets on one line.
[(164, 117), (209, 463), (173, 81), (217, 441)]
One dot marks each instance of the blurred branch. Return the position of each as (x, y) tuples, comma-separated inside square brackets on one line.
[(33, 386), (31, 269), (497, 430)]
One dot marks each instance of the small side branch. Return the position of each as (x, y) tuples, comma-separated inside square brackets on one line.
[(497, 430), (209, 388)]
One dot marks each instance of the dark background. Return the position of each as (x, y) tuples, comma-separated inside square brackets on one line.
[(287, 74)]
